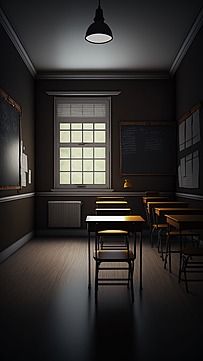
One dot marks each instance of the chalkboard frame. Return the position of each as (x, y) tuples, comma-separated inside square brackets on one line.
[(150, 124), (11, 106)]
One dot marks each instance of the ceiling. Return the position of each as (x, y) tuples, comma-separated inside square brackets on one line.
[(148, 34)]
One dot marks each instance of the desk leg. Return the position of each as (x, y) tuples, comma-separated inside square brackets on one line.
[(141, 261), (89, 262), (180, 261)]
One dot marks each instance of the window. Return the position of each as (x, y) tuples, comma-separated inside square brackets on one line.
[(82, 142)]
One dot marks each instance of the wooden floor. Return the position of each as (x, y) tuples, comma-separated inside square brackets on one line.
[(47, 312)]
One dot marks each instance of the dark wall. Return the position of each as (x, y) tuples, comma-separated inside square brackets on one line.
[(16, 216), (189, 91), (140, 100)]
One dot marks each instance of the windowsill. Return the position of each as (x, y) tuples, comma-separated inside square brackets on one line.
[(81, 190)]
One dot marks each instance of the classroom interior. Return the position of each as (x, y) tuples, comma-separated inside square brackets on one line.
[(48, 312)]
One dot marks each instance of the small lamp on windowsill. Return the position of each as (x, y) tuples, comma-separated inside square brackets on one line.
[(126, 184)]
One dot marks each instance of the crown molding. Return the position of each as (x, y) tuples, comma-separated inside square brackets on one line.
[(102, 76), (16, 42), (83, 93), (187, 42)]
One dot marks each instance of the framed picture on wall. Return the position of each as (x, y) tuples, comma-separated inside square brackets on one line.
[(10, 142)]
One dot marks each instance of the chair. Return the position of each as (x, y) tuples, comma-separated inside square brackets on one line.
[(192, 262), (172, 238), (117, 259), (158, 227), (113, 238)]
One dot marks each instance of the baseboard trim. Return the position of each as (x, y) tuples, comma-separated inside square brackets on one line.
[(190, 196), (16, 197), (61, 233), (15, 246)]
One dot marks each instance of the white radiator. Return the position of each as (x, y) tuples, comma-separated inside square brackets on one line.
[(64, 214)]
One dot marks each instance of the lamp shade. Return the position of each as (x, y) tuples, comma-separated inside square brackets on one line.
[(99, 32)]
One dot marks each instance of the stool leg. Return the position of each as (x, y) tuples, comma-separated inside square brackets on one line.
[(131, 265), (169, 254), (180, 262), (184, 266)]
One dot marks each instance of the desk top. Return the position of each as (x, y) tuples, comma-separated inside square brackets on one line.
[(111, 202), (185, 220), (113, 209), (168, 204), (154, 198), (132, 218), (170, 210)]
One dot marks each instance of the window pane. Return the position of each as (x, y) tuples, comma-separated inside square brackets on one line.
[(64, 152), (64, 136), (88, 178), (76, 165), (99, 152), (87, 136), (76, 136), (99, 178), (87, 165), (99, 165), (87, 152), (64, 177), (100, 136), (64, 126), (100, 126), (76, 125), (76, 177), (88, 126), (65, 165), (76, 152)]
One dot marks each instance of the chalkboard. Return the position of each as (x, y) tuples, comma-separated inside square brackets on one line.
[(10, 114), (148, 148)]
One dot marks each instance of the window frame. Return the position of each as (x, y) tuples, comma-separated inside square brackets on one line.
[(88, 100)]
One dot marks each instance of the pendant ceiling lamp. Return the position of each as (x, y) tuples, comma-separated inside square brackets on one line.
[(99, 32)]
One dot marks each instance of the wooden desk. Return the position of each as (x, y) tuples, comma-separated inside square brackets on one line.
[(113, 211), (154, 199), (182, 222), (165, 210), (185, 221), (166, 204), (133, 223), (115, 203), (111, 202)]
